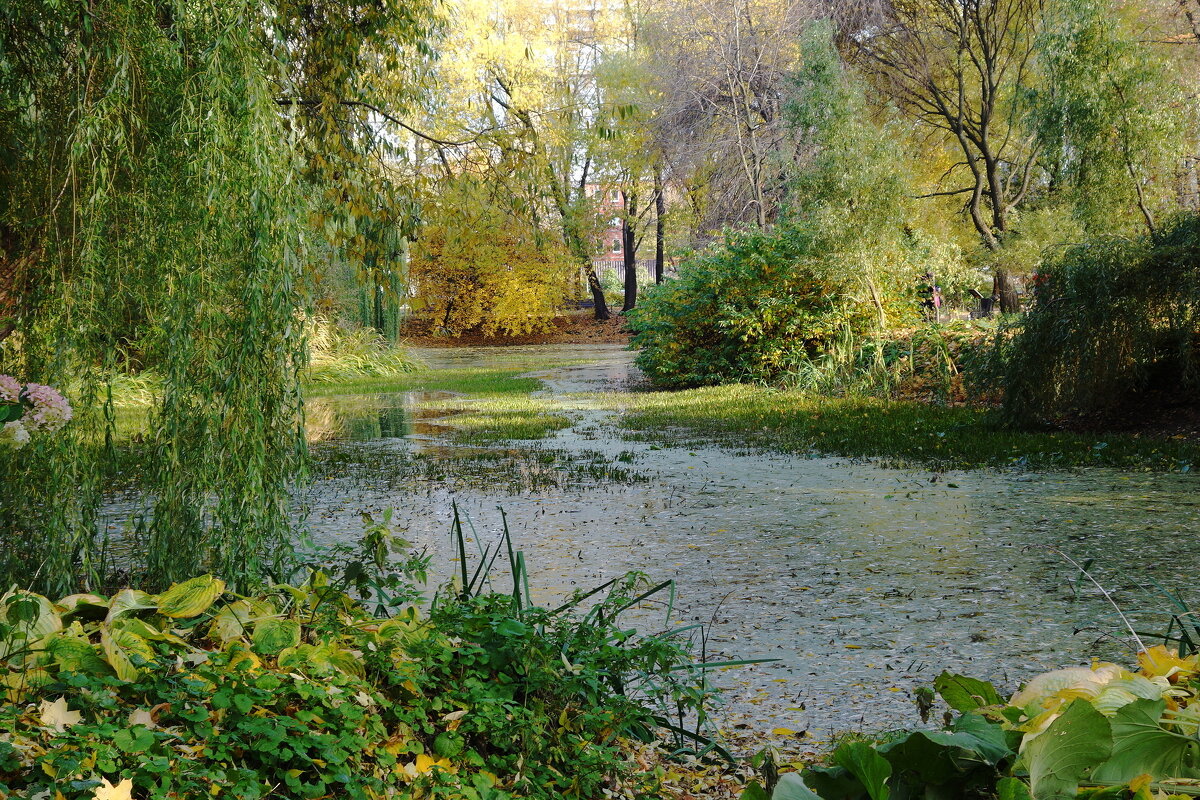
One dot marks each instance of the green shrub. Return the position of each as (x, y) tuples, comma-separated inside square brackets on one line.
[(1111, 319), (750, 310)]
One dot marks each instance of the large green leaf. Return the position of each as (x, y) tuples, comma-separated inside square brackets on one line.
[(29, 617), (791, 787), (76, 654), (1062, 755), (191, 598), (1012, 789), (1142, 746), (754, 791), (83, 606), (833, 783), (863, 762), (128, 601), (120, 649), (10, 412), (236, 619), (273, 635), (945, 758), (965, 694)]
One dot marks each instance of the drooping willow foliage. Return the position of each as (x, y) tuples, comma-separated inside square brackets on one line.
[(1112, 319), (156, 183)]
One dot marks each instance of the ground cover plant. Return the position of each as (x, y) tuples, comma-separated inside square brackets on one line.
[(302, 691)]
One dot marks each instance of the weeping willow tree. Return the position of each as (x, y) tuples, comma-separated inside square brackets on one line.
[(157, 171)]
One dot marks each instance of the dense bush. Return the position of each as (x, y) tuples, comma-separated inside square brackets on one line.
[(301, 693), (752, 309), (1111, 319)]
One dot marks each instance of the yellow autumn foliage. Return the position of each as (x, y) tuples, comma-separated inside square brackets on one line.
[(480, 266)]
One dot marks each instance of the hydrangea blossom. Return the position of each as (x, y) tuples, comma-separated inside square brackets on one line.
[(38, 408), (14, 434), (50, 409), (10, 389)]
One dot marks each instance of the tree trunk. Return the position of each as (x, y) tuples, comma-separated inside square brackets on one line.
[(601, 305), (660, 210), (1002, 286), (629, 252)]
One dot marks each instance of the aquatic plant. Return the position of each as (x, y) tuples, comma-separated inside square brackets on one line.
[(337, 354)]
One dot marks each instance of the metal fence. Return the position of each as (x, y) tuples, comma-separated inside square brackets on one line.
[(616, 266)]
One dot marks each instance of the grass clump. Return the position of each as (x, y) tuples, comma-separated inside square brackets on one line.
[(900, 432), (488, 382), (337, 354)]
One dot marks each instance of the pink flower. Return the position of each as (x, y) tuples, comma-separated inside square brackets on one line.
[(10, 389), (50, 409)]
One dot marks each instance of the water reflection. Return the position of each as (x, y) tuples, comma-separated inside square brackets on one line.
[(368, 417)]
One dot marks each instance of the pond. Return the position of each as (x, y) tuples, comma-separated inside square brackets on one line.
[(863, 582)]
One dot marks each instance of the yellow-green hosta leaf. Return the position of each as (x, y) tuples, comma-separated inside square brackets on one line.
[(238, 653), (19, 685), (295, 657), (83, 606), (28, 616), (273, 635), (237, 619), (120, 646), (75, 654), (190, 598), (128, 601), (147, 631)]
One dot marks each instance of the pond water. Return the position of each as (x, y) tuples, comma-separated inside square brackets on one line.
[(863, 582)]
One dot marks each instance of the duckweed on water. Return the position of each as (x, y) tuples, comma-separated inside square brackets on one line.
[(898, 433)]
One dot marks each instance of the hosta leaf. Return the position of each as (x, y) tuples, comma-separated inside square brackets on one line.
[(19, 685), (871, 769), (147, 631), (237, 619), (1143, 747), (128, 601), (74, 654), (30, 616), (273, 635), (791, 787), (965, 694), (83, 606), (1061, 755), (120, 647), (190, 598)]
